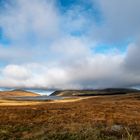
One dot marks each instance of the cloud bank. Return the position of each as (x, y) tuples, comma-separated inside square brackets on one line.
[(46, 45)]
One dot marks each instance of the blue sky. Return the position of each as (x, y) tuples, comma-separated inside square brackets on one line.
[(85, 8), (45, 43)]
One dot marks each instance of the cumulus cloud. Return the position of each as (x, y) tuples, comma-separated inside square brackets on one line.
[(23, 19), (122, 20), (82, 74), (32, 75), (131, 62), (49, 48), (16, 72), (100, 71)]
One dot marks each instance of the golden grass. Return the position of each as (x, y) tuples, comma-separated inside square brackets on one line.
[(4, 102), (18, 93), (12, 102), (85, 119)]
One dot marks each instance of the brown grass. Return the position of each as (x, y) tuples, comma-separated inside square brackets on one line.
[(14, 102), (18, 93), (94, 117)]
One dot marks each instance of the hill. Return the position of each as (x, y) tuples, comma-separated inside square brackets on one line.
[(15, 93), (97, 92)]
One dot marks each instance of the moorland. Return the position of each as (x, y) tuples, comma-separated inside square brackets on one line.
[(107, 117)]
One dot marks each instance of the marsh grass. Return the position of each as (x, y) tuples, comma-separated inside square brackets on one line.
[(102, 118), (83, 132)]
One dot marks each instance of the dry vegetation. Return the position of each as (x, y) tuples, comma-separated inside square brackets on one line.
[(4, 94), (97, 118)]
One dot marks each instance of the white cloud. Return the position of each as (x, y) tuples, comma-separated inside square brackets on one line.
[(16, 72), (121, 20), (25, 19), (44, 53), (71, 47), (98, 71), (132, 63), (32, 75)]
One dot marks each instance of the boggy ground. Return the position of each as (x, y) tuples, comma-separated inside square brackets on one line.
[(96, 118)]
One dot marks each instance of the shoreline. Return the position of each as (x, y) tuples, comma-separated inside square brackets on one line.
[(11, 102)]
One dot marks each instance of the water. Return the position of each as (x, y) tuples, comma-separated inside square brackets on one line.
[(41, 91), (38, 98), (38, 91), (44, 94)]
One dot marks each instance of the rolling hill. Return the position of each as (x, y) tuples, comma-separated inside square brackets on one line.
[(97, 92), (16, 93)]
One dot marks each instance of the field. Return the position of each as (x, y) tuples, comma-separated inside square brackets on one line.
[(115, 117)]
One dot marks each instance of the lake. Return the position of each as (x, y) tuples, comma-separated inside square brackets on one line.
[(37, 98), (39, 91), (44, 94)]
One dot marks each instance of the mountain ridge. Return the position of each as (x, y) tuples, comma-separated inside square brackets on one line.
[(93, 92)]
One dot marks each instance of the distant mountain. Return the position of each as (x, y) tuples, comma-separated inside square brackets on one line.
[(96, 92), (17, 93)]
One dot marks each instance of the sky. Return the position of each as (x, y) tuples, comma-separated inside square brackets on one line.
[(69, 44)]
